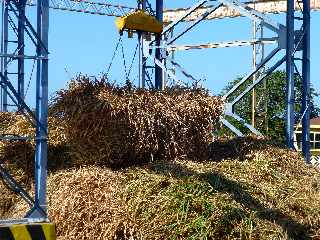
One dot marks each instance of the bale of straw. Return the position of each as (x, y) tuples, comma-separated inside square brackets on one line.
[(118, 126)]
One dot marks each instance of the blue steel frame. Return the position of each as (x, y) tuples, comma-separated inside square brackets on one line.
[(306, 82), (291, 40), (290, 74), (142, 61), (158, 82), (298, 41), (39, 37), (4, 50)]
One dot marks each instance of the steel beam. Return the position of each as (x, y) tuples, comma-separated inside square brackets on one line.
[(102, 8), (306, 82), (142, 59), (250, 74), (39, 37), (262, 6), (4, 51), (290, 75), (184, 16), (196, 22), (21, 47), (158, 70), (237, 43), (39, 211)]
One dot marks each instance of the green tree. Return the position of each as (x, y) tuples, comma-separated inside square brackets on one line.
[(271, 104)]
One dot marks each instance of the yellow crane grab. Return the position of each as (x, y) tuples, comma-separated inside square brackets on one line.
[(139, 21)]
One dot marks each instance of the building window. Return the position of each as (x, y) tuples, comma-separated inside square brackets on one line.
[(315, 140)]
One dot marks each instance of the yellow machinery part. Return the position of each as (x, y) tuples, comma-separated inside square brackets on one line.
[(139, 21), (28, 231)]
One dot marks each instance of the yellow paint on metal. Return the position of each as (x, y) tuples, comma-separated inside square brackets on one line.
[(49, 230), (28, 231), (20, 232), (139, 21)]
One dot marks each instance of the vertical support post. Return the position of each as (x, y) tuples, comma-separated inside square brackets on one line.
[(21, 23), (142, 59), (4, 51), (306, 82), (265, 86), (158, 71), (42, 108), (290, 75), (254, 64), (40, 208)]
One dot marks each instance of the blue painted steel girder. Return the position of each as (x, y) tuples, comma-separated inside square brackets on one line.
[(4, 50), (306, 82), (290, 75), (40, 119), (158, 70), (41, 155), (21, 47), (292, 39)]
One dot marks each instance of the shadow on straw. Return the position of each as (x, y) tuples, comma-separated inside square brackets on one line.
[(294, 229)]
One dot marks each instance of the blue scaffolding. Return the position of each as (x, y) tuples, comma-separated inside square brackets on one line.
[(14, 20), (293, 38)]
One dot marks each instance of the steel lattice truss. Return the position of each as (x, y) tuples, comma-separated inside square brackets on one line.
[(290, 39), (90, 7), (169, 15), (274, 7)]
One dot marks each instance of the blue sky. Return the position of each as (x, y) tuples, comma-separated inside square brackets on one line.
[(85, 43)]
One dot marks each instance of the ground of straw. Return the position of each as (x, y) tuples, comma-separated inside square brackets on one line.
[(270, 194)]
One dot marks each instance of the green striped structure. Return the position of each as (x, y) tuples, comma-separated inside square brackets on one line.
[(33, 231)]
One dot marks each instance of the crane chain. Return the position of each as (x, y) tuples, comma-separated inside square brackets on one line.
[(114, 55)]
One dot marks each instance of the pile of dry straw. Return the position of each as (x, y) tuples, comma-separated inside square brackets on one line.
[(98, 123), (118, 126), (256, 191), (271, 194)]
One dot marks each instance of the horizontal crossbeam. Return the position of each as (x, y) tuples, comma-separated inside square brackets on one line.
[(274, 7), (90, 7), (171, 48)]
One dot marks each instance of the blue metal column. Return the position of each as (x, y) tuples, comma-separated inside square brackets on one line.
[(21, 46), (142, 59), (306, 82), (158, 71), (40, 208), (4, 51), (290, 75)]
